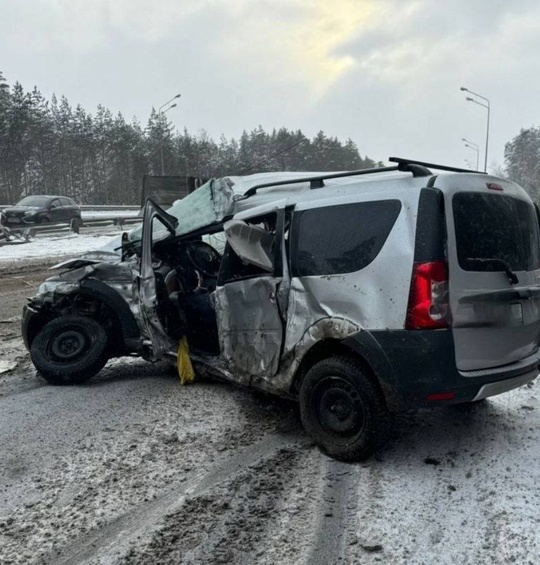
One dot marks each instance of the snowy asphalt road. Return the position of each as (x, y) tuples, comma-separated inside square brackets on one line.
[(133, 468)]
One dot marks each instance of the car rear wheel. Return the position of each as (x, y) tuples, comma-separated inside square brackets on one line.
[(70, 350), (342, 409)]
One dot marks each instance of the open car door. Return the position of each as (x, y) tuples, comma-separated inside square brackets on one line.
[(251, 299), (157, 225)]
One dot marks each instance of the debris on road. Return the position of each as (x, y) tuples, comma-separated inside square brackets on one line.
[(10, 237), (7, 366)]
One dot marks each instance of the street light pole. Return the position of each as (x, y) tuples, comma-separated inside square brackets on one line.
[(161, 143), (474, 147), (487, 106), (160, 115)]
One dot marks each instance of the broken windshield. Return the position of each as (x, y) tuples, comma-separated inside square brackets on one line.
[(205, 206)]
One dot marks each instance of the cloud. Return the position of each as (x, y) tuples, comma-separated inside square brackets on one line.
[(415, 44), (384, 72), (291, 41)]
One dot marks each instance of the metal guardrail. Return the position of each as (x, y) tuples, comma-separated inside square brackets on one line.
[(95, 207), (22, 234)]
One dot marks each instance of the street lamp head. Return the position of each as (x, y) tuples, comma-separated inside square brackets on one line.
[(469, 99), (177, 96), (463, 88), (172, 106)]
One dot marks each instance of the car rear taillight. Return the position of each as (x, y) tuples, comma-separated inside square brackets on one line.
[(428, 300)]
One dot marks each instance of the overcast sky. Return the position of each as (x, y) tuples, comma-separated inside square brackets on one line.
[(386, 73)]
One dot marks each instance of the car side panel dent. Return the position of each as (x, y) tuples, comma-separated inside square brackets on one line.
[(327, 328), (250, 329)]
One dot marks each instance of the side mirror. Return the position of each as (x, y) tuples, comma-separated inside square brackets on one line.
[(251, 243)]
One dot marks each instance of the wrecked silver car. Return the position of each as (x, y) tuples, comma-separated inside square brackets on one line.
[(357, 293)]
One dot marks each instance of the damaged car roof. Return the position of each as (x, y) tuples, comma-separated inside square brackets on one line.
[(223, 197)]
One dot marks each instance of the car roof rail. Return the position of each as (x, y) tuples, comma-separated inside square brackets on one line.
[(426, 166), (318, 181), (417, 168)]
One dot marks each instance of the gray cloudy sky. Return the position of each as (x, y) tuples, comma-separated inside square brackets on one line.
[(385, 73)]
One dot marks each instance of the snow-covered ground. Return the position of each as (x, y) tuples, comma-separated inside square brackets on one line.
[(60, 246), (64, 245)]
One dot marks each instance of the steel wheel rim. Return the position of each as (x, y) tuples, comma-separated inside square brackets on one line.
[(68, 345), (338, 407)]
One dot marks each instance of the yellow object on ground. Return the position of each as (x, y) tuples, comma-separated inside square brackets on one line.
[(185, 368)]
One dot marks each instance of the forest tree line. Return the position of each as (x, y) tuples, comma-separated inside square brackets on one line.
[(49, 147)]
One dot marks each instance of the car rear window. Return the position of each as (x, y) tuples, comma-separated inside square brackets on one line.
[(497, 227), (341, 239)]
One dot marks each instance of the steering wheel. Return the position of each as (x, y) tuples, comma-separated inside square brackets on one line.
[(204, 258)]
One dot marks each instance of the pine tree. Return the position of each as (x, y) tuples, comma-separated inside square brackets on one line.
[(522, 160), (49, 148)]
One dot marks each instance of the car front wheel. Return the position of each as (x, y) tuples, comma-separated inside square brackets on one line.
[(70, 350), (342, 409)]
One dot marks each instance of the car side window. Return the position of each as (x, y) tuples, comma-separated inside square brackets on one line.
[(55, 203), (340, 239)]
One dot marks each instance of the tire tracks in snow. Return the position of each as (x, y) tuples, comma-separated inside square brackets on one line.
[(114, 540), (336, 516)]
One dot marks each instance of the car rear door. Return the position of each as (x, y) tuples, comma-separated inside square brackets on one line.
[(494, 271), (68, 209), (251, 301)]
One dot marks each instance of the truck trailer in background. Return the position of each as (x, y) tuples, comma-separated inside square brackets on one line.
[(166, 189)]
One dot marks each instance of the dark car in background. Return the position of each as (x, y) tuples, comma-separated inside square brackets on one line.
[(39, 209)]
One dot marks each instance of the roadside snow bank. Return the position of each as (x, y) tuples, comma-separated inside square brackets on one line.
[(72, 244)]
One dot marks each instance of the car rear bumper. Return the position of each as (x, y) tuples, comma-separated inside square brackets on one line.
[(498, 387), (418, 368)]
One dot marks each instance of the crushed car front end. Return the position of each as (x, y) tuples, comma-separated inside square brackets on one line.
[(99, 291)]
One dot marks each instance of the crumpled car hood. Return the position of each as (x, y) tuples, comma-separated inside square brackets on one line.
[(91, 258)]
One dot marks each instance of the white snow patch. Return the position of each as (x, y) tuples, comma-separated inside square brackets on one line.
[(72, 244), (7, 366)]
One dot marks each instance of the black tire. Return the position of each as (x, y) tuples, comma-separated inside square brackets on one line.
[(342, 409), (70, 350)]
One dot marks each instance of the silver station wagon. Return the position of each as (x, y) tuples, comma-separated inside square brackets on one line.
[(357, 293)]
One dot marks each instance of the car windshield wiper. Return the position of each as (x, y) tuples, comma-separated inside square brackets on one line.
[(512, 277)]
